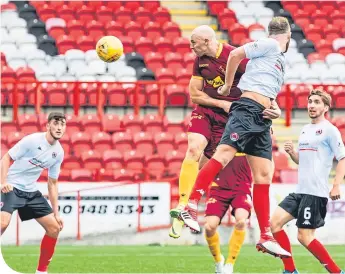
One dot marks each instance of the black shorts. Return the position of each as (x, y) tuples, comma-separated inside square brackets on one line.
[(247, 130), (30, 205), (309, 210)]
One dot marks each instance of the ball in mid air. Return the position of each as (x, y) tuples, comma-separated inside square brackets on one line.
[(109, 48)]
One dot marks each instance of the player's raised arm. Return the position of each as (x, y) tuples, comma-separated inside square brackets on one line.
[(201, 98)]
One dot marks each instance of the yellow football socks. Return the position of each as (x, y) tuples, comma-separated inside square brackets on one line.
[(235, 244), (188, 174), (214, 246)]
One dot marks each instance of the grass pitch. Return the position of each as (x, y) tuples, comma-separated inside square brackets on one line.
[(156, 259)]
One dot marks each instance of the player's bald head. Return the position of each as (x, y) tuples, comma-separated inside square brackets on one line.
[(204, 32)]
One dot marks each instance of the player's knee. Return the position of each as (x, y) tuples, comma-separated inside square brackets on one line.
[(275, 225), (304, 238), (53, 230), (240, 224), (224, 154), (5, 221), (210, 228), (193, 152), (263, 177)]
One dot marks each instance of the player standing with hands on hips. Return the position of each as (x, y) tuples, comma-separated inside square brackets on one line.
[(318, 144), (31, 155)]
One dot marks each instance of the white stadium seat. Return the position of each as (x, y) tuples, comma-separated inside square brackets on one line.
[(55, 22)]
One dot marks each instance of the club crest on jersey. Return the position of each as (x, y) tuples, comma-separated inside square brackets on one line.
[(234, 136), (319, 132), (54, 154), (1, 204)]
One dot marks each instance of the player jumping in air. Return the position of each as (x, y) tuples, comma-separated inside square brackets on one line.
[(232, 187), (318, 144), (31, 155), (209, 118), (247, 130)]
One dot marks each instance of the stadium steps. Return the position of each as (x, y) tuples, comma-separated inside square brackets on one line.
[(190, 15)]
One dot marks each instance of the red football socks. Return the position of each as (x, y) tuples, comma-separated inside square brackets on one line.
[(205, 178), (284, 242), (47, 250), (261, 202), (320, 252)]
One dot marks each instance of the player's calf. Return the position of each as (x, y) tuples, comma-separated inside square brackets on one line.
[(5, 221)]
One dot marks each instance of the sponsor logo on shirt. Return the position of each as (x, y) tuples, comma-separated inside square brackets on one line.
[(216, 82), (203, 65), (37, 162)]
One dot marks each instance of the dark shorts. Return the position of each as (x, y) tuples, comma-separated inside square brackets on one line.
[(247, 130), (210, 124), (30, 205), (309, 210), (219, 200)]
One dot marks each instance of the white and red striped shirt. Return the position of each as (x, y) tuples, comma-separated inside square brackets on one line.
[(318, 144)]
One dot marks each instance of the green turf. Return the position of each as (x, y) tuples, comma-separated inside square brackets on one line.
[(155, 259)]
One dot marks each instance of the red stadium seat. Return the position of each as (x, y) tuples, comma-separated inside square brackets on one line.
[(173, 61), (111, 123), (75, 29), (86, 43), (104, 15), (71, 162), (132, 123), (300, 94), (76, 5), (73, 124), (142, 16), (95, 4), (324, 47), (181, 142), (128, 44), (164, 142), (152, 92), (55, 94), (320, 18), (171, 30), (45, 12), (8, 74), (183, 76), (338, 18), (123, 141), (66, 13), (3, 59), (124, 175), (151, 5), (315, 57), (64, 43), (85, 14), (155, 166), (237, 32), (165, 75), (116, 94), (91, 123), (81, 175), (28, 123), (174, 160), (227, 18), (132, 5), (314, 32), (152, 123), (339, 122), (153, 30), (309, 7), (162, 15), (163, 45), (105, 175), (176, 95), (143, 45), (95, 29), (91, 159), (143, 142), (328, 6), (114, 5), (330, 33), (339, 97), (134, 160), (182, 45), (189, 58), (8, 127), (113, 159), (25, 74), (57, 31), (133, 30), (81, 141), (174, 128), (56, 5), (154, 60), (101, 141), (123, 15), (114, 28), (65, 175), (291, 6), (14, 137), (216, 7)]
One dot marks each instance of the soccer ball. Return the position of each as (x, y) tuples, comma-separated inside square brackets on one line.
[(109, 49)]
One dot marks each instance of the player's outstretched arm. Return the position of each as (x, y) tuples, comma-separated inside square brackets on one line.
[(339, 178), (5, 165), (234, 59), (288, 147), (201, 98)]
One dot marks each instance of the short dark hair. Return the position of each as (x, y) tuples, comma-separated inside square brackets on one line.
[(278, 25), (325, 97), (56, 116)]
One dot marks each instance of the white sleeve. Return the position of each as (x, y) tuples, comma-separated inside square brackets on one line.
[(54, 170), (20, 148), (336, 143), (259, 48)]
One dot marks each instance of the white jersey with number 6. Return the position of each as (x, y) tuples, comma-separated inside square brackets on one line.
[(318, 144), (31, 155)]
